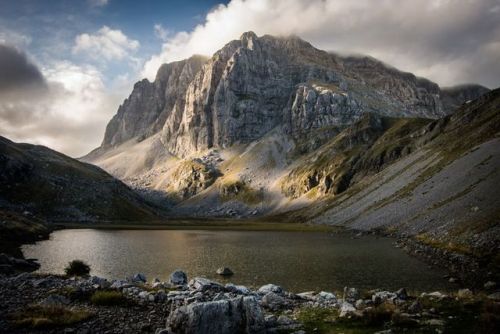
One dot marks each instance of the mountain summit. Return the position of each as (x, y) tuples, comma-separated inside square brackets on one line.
[(268, 124), (255, 84)]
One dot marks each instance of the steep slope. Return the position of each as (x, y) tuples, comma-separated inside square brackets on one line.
[(37, 181), (254, 90), (439, 184)]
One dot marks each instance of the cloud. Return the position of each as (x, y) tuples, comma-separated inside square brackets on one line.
[(162, 33), (106, 43), (69, 115), (98, 3), (448, 41), (17, 72)]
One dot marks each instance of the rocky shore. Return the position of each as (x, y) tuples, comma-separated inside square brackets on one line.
[(57, 304)]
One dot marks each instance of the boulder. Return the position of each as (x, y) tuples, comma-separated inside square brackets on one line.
[(402, 294), (273, 301), (326, 297), (139, 277), (382, 296), (224, 271), (233, 316), (351, 294), (346, 310), (178, 277), (203, 284), (100, 282), (238, 289), (269, 288)]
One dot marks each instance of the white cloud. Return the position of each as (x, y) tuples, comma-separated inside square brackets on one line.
[(70, 117), (98, 3), (427, 37), (162, 33), (106, 43)]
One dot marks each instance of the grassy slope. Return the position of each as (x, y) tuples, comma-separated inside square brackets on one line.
[(53, 186)]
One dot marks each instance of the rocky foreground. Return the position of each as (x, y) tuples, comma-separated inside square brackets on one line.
[(56, 304)]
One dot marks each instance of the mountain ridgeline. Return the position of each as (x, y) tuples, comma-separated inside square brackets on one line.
[(271, 126), (253, 85)]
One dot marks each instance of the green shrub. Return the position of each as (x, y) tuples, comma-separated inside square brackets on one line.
[(37, 316), (77, 268), (108, 298)]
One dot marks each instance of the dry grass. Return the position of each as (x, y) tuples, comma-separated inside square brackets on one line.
[(37, 316)]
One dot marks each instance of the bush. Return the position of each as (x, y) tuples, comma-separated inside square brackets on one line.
[(108, 298), (77, 268), (37, 316)]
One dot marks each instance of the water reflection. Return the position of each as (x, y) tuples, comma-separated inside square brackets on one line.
[(299, 261)]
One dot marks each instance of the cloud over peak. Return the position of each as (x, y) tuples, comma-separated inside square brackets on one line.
[(107, 43), (448, 41)]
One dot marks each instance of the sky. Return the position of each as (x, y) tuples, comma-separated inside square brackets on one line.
[(67, 65)]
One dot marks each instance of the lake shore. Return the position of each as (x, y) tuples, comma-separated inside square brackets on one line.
[(93, 304)]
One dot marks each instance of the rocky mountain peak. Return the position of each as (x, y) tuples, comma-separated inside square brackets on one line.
[(255, 84)]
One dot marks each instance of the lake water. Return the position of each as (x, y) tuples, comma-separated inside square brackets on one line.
[(298, 261)]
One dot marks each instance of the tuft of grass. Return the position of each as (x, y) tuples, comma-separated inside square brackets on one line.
[(77, 268), (37, 316), (108, 298)]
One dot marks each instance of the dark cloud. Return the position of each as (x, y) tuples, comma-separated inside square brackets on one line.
[(17, 73)]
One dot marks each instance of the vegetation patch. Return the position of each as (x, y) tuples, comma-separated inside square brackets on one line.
[(77, 268), (109, 298), (240, 191), (37, 316)]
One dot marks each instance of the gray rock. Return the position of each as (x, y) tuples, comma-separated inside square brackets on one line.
[(239, 289), (273, 301), (383, 296), (239, 315), (490, 285), (269, 288), (346, 310), (139, 278), (101, 282), (53, 300), (351, 294), (178, 277), (203, 284), (465, 294), (495, 296), (224, 271)]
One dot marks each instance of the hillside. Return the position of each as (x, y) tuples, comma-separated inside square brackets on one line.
[(38, 182), (219, 136)]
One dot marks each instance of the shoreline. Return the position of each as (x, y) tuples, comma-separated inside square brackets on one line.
[(153, 306)]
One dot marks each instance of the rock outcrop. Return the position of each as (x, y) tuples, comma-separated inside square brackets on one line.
[(254, 84)]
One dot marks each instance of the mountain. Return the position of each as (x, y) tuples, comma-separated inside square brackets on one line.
[(39, 184), (221, 135)]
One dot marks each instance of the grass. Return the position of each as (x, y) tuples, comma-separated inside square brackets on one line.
[(109, 298), (39, 317)]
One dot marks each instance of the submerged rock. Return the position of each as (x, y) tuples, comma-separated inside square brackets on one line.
[(233, 316)]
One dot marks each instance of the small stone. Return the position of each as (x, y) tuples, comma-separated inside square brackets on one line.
[(490, 285), (495, 296), (465, 294), (402, 294), (415, 307), (178, 277), (224, 271), (346, 309), (139, 278), (283, 320), (452, 280)]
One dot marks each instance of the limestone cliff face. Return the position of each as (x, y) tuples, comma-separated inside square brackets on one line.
[(144, 112), (255, 84)]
